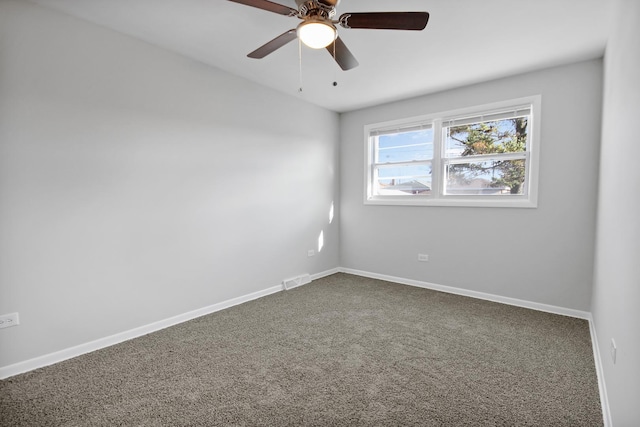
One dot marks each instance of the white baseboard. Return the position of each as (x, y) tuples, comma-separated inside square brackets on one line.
[(325, 273), (474, 294), (68, 353), (604, 400)]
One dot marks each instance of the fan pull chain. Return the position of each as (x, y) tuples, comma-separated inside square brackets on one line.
[(300, 63), (335, 76)]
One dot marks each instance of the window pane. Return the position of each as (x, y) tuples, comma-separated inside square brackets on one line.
[(497, 136), (494, 177), (404, 180), (405, 146)]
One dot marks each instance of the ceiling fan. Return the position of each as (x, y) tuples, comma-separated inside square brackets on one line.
[(318, 28)]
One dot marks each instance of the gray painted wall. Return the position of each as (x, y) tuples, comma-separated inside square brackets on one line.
[(616, 291), (543, 255), (136, 185)]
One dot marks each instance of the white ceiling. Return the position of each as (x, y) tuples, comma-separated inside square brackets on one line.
[(466, 41)]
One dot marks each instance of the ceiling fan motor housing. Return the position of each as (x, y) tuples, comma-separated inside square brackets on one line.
[(316, 9)]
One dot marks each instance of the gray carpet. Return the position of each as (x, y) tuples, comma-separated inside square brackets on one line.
[(343, 350)]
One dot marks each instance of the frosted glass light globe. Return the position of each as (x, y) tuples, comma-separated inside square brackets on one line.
[(316, 34)]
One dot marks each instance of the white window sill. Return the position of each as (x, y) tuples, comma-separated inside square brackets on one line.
[(483, 201)]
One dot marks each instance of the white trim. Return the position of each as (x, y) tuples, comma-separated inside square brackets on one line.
[(506, 201), (325, 273), (604, 399), (71, 352), (68, 353), (474, 294)]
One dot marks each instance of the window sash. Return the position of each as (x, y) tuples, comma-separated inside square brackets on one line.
[(400, 129), (515, 113), (486, 190), (485, 157), (408, 163)]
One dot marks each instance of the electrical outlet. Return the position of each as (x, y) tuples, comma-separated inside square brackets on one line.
[(423, 257), (311, 252), (9, 320), (614, 351)]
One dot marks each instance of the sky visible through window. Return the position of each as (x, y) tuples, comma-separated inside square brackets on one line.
[(405, 147)]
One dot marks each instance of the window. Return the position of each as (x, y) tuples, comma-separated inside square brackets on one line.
[(481, 156)]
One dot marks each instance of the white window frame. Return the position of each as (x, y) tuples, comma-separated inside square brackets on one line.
[(437, 197)]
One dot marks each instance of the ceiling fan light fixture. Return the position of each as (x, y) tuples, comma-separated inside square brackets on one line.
[(317, 34)]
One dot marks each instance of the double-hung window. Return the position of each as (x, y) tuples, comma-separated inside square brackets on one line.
[(402, 160), (481, 156)]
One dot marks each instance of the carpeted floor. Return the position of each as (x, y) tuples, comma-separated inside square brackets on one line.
[(343, 350)]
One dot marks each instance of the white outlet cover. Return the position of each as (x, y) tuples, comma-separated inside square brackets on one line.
[(9, 320)]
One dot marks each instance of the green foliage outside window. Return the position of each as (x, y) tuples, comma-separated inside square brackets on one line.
[(493, 137)]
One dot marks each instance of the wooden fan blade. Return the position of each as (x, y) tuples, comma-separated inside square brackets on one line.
[(343, 56), (269, 6), (385, 20), (274, 44)]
